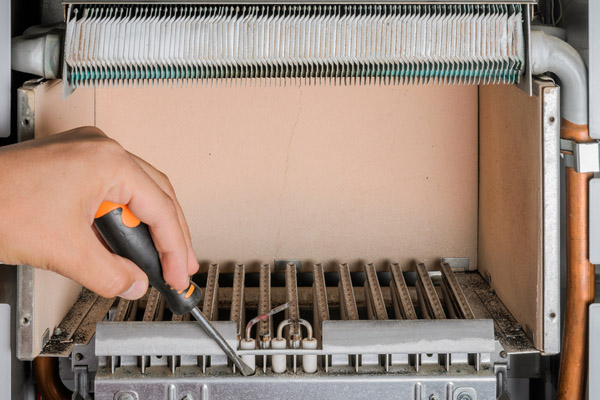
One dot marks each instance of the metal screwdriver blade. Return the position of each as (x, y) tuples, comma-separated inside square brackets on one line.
[(216, 336)]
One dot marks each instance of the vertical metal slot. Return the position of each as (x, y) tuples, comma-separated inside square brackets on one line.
[(403, 306), (320, 307), (293, 312), (348, 309), (154, 306), (429, 302), (456, 302), (210, 307), (373, 296), (264, 306), (123, 309), (238, 304)]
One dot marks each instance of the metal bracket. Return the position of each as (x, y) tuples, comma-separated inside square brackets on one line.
[(594, 221), (583, 157), (26, 110), (594, 351), (82, 386), (501, 371)]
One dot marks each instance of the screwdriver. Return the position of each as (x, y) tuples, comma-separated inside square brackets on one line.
[(128, 237)]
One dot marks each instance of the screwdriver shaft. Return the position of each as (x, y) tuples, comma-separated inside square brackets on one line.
[(216, 336)]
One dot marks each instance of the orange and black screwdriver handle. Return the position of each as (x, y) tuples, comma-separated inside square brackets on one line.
[(129, 237)]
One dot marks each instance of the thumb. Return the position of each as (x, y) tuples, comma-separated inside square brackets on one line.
[(108, 274)]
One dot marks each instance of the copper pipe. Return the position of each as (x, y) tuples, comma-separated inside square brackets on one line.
[(580, 276), (47, 379)]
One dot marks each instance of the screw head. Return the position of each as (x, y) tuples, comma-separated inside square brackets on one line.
[(517, 327), (433, 397), (126, 396), (79, 357), (464, 396)]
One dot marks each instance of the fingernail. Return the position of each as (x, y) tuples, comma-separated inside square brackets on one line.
[(135, 291)]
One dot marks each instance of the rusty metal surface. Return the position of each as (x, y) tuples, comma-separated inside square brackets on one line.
[(319, 300), (122, 309), (431, 307), (401, 298), (375, 303), (291, 288), (305, 296), (348, 308), (152, 305), (237, 311), (211, 293), (485, 304), (264, 301), (456, 302), (79, 325)]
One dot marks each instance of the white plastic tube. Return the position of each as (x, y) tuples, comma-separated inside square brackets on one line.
[(309, 361), (278, 362), (550, 54), (250, 360)]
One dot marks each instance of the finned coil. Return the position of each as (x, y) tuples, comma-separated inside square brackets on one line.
[(119, 44)]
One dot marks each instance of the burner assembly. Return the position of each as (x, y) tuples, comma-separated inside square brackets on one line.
[(406, 327)]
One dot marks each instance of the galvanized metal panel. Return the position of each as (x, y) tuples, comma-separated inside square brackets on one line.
[(5, 352), (551, 218), (160, 338), (594, 220), (5, 74), (408, 336), (594, 68), (332, 387), (594, 352)]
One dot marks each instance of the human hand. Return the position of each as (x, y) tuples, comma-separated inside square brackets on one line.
[(51, 189)]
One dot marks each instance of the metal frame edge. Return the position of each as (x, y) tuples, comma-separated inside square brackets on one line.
[(551, 218)]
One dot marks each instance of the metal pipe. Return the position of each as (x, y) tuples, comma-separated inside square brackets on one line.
[(264, 317), (550, 54), (47, 379), (308, 326), (282, 325), (580, 276)]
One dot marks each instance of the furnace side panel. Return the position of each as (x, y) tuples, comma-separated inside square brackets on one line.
[(511, 203)]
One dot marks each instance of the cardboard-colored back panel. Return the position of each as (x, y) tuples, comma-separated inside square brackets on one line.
[(510, 201), (318, 173)]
